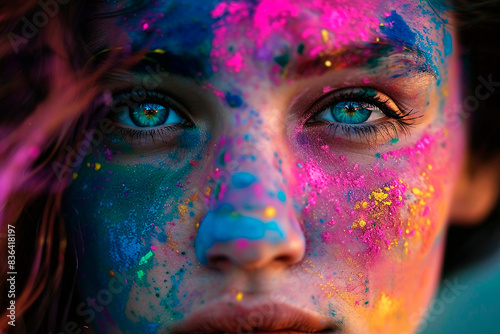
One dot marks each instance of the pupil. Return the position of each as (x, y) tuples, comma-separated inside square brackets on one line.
[(350, 110), (149, 112)]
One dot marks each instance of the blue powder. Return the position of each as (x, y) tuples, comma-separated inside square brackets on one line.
[(448, 44), (399, 30), (234, 101), (184, 31), (281, 196), (224, 224), (242, 179)]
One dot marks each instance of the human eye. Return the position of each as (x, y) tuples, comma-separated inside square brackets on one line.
[(147, 117), (361, 114)]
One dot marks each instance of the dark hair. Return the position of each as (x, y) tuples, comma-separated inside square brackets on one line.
[(48, 94), (50, 68), (479, 34)]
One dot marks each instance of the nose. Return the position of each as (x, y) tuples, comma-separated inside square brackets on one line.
[(231, 238), (252, 223)]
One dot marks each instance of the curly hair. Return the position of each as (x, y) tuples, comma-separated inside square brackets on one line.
[(49, 92)]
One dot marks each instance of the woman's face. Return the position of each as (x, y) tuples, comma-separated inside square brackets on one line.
[(271, 165)]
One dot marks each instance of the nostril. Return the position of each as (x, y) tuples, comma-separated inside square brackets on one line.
[(284, 259), (218, 260)]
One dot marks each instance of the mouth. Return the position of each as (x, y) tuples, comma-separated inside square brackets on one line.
[(257, 318)]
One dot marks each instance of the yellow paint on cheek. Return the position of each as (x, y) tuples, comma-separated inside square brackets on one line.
[(239, 296), (361, 205), (378, 195), (207, 191), (387, 310), (416, 192), (309, 270), (182, 209), (385, 305), (361, 223), (329, 289)]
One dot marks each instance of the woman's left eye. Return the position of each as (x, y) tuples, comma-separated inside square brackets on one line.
[(353, 113), (350, 112)]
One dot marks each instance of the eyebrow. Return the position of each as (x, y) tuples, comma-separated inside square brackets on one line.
[(366, 56), (186, 65)]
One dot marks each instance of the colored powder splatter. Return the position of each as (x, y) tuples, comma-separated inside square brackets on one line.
[(281, 196), (172, 300), (234, 100), (225, 223), (282, 60), (396, 29), (448, 44), (300, 49), (242, 179)]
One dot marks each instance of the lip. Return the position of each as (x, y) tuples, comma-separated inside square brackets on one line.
[(230, 316)]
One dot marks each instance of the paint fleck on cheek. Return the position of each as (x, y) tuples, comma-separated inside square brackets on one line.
[(378, 219)]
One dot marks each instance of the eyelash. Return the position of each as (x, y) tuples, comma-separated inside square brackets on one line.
[(152, 134), (400, 121), (145, 135)]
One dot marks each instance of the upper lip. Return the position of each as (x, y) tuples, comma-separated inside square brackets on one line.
[(258, 317)]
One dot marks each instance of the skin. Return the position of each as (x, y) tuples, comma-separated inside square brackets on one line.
[(257, 199)]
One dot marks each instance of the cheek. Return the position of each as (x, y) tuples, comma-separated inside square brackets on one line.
[(375, 225), (128, 220), (390, 201)]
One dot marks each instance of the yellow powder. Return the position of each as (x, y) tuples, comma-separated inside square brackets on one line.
[(416, 192), (324, 35), (379, 196), (269, 212)]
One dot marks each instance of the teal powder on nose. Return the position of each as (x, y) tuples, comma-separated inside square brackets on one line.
[(281, 196), (225, 224), (242, 179)]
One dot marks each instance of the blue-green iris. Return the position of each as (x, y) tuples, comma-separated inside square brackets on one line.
[(149, 114), (350, 112)]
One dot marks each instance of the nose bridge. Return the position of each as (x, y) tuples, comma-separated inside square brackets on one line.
[(248, 164), (251, 222)]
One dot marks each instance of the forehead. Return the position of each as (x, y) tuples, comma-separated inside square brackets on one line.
[(201, 31), (196, 20)]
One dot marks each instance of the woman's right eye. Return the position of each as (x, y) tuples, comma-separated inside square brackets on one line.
[(148, 115), (153, 110)]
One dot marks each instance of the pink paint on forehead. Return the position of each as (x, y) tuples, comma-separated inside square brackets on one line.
[(280, 25), (236, 62), (272, 16)]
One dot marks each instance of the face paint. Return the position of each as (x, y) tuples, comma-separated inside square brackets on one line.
[(306, 158)]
